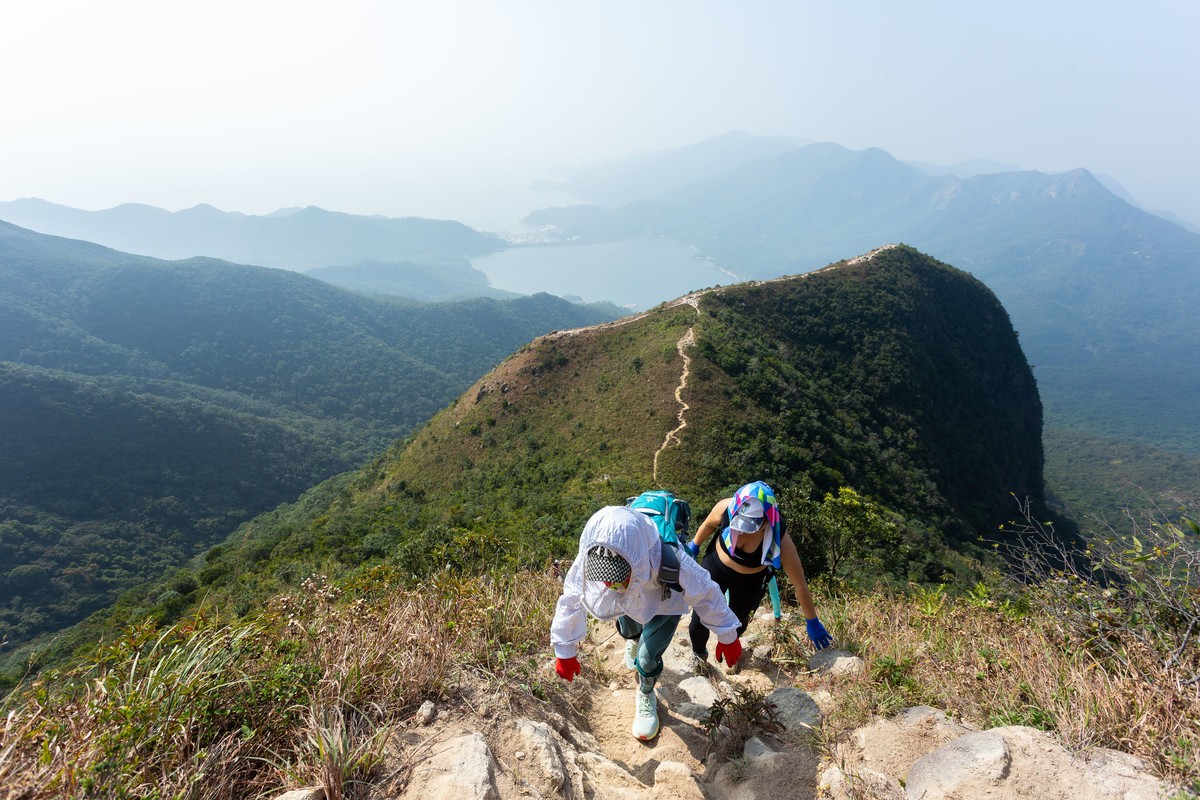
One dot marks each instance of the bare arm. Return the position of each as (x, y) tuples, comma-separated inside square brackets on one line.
[(711, 523), (790, 559)]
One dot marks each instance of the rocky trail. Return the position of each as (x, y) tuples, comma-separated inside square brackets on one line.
[(489, 743)]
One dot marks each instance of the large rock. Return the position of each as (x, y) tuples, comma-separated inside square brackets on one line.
[(973, 765), (310, 793), (457, 769), (1018, 762), (836, 662), (547, 773), (795, 708), (936, 758), (891, 746)]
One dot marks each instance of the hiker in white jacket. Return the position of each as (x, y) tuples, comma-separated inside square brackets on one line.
[(615, 576)]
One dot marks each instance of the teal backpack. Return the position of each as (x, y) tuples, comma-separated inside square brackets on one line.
[(672, 517)]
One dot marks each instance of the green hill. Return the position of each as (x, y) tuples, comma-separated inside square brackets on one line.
[(147, 407)]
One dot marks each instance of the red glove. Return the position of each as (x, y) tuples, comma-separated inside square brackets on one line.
[(568, 668), (730, 653)]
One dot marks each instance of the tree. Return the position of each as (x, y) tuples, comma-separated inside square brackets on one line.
[(847, 528)]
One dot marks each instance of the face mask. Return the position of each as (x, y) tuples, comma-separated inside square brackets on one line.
[(604, 601)]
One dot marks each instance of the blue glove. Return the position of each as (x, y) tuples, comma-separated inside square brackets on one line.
[(816, 631), (692, 549)]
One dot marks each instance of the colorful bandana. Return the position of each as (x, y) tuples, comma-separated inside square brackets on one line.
[(771, 544)]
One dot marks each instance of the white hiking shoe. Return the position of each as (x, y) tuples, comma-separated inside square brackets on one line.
[(631, 650), (645, 715)]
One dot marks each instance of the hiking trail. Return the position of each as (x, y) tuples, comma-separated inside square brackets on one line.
[(685, 342)]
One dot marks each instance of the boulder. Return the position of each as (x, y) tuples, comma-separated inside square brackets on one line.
[(461, 768)]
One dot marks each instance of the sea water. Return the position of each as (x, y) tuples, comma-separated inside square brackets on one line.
[(635, 273)]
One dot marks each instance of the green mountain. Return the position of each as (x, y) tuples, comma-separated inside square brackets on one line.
[(893, 375), (147, 407), (1101, 292), (293, 238)]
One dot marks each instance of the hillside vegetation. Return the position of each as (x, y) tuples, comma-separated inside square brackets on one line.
[(148, 407), (897, 378)]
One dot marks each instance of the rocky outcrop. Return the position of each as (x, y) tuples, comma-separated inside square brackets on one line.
[(920, 753)]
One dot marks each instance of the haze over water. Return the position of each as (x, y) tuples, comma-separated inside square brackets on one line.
[(635, 273)]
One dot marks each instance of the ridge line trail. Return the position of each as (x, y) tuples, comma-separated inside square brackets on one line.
[(685, 341), (693, 298)]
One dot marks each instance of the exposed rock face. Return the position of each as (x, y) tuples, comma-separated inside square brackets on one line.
[(920, 753)]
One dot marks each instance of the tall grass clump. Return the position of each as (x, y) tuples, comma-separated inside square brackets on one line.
[(305, 692)]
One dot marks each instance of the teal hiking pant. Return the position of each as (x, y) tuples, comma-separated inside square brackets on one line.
[(653, 639)]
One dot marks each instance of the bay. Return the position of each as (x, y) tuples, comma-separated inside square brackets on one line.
[(635, 273)]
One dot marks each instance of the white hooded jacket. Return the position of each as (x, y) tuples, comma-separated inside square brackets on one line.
[(633, 536)]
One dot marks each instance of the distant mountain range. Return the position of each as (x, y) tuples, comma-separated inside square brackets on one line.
[(295, 239), (146, 406), (615, 183)]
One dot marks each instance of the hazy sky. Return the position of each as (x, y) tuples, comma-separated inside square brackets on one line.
[(450, 108)]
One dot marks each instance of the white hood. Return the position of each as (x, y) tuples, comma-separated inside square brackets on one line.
[(634, 537)]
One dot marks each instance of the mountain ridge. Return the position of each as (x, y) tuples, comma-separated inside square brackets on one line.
[(305, 238)]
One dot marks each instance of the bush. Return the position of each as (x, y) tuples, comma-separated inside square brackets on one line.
[(1128, 595)]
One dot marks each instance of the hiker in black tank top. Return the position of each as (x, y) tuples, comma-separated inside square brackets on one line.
[(748, 550)]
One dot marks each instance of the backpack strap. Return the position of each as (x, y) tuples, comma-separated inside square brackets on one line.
[(668, 569)]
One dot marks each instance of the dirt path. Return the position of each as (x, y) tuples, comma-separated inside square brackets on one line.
[(683, 700), (672, 436)]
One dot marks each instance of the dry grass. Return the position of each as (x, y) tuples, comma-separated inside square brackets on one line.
[(309, 691), (990, 667), (305, 693)]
